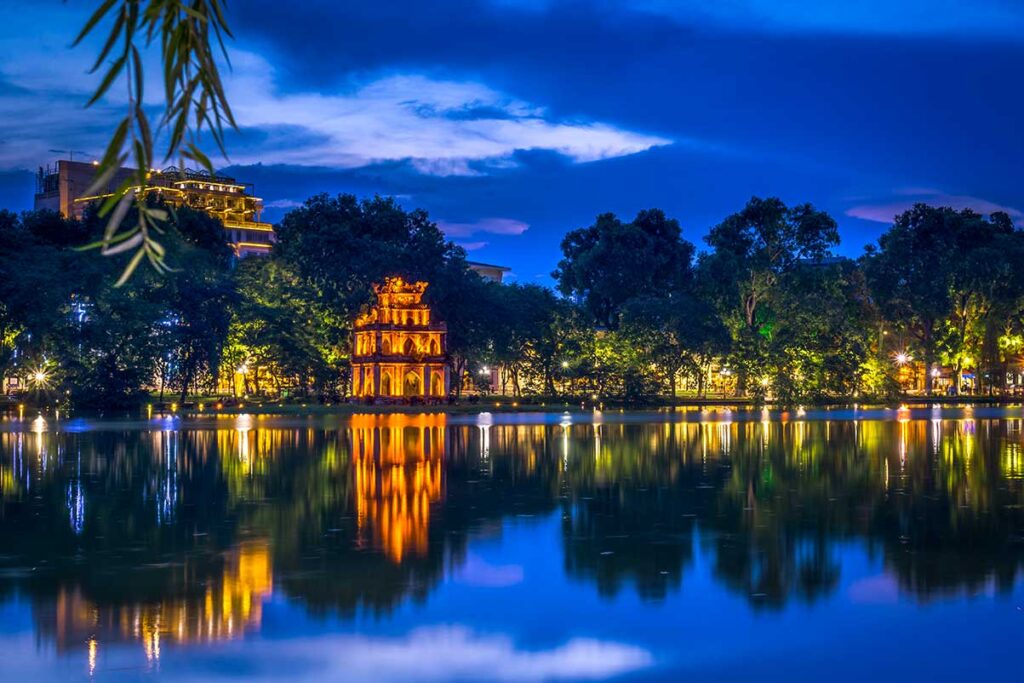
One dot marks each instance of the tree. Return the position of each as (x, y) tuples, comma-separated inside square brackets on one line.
[(678, 334), (530, 334), (199, 301), (753, 249), (939, 274), (610, 262), (341, 246), (282, 334), (821, 332)]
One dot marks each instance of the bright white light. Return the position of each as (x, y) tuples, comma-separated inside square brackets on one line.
[(902, 358), (39, 378)]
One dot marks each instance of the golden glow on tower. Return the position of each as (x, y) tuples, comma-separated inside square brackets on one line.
[(398, 349)]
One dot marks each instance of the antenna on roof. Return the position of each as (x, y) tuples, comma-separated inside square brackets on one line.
[(70, 152)]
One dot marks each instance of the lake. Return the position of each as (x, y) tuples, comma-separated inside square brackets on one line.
[(697, 545)]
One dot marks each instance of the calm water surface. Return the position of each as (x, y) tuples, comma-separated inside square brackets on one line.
[(711, 546)]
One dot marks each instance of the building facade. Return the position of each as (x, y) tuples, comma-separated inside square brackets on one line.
[(487, 271), (398, 350), (63, 188)]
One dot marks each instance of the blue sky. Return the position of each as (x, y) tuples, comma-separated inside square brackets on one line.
[(514, 121)]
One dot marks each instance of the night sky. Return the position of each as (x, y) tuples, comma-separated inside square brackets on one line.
[(513, 121)]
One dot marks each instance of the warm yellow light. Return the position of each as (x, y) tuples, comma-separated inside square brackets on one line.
[(174, 407), (765, 381)]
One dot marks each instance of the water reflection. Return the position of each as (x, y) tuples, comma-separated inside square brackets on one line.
[(178, 536)]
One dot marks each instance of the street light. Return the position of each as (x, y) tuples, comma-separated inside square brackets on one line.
[(902, 358), (40, 378), (565, 364)]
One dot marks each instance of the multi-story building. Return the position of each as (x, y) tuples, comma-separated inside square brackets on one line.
[(63, 188), (488, 271)]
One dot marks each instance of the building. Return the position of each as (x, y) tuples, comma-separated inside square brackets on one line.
[(63, 188), (398, 352), (487, 271)]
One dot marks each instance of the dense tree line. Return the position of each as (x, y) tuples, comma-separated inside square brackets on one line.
[(765, 308)]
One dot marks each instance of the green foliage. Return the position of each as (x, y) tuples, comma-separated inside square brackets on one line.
[(104, 344), (610, 262), (767, 305), (281, 329), (821, 336), (753, 250), (194, 102), (950, 279)]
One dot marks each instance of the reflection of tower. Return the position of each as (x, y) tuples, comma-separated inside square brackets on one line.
[(398, 469), (227, 608)]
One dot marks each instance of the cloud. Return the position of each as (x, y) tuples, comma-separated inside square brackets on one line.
[(886, 211), (455, 653), (442, 127), (432, 655), (472, 246), (282, 204), (491, 226)]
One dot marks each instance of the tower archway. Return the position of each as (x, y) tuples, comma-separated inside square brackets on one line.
[(412, 385)]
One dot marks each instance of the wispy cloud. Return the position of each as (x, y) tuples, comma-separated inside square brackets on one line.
[(282, 204), (491, 226), (439, 127), (433, 654), (443, 127), (884, 211)]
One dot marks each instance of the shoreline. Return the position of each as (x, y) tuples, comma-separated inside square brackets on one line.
[(495, 405)]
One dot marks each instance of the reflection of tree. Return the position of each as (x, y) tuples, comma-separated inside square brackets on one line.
[(373, 513), (629, 518), (955, 520), (773, 500)]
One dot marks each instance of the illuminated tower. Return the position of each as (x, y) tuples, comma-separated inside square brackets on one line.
[(399, 351)]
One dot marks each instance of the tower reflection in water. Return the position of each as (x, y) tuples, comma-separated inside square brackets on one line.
[(397, 460)]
